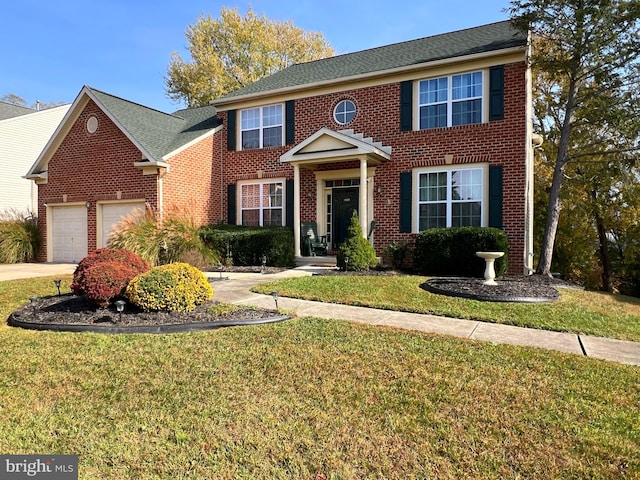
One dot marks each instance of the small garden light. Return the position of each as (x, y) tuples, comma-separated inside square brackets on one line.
[(57, 282), (274, 294), (34, 301), (346, 263), (120, 308), (264, 264)]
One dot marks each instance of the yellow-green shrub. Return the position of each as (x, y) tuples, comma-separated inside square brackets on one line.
[(177, 287)]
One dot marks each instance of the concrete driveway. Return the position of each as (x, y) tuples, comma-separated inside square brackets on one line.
[(15, 271)]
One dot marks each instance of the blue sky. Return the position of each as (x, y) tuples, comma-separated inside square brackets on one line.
[(50, 49)]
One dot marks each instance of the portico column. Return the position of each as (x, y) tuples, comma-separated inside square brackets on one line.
[(363, 198), (296, 210)]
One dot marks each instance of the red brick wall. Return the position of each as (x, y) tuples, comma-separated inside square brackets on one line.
[(191, 182), (93, 167), (378, 116)]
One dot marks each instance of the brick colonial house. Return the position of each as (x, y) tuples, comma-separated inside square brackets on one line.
[(424, 133)]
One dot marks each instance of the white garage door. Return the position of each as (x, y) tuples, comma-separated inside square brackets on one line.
[(69, 233), (112, 213)]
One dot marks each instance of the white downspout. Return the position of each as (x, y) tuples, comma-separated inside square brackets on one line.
[(529, 163)]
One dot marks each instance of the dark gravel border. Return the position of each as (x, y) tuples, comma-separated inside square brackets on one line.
[(167, 328)]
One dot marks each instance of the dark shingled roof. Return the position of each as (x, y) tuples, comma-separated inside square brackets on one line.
[(486, 38), (157, 132), (9, 110)]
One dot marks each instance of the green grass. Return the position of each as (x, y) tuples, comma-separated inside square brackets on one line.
[(590, 313), (311, 399)]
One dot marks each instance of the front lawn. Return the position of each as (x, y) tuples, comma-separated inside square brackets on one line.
[(311, 399), (578, 311)]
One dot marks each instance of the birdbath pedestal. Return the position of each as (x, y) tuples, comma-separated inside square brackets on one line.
[(489, 271)]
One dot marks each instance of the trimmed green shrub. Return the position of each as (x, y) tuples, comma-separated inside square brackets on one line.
[(246, 246), (452, 251), (361, 254), (397, 254), (104, 274), (20, 237), (177, 287)]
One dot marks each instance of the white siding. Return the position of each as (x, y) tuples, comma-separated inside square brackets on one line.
[(21, 141)]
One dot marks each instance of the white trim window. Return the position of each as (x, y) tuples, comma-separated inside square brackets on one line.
[(344, 112), (261, 204), (451, 198), (450, 101), (261, 127)]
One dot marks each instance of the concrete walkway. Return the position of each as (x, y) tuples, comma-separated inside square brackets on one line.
[(15, 271), (237, 290)]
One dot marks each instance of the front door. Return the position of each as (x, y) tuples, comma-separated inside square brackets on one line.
[(344, 201)]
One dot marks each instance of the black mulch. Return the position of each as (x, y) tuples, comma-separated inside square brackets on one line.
[(529, 289), (72, 310)]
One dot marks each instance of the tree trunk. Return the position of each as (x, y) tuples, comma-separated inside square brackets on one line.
[(604, 254), (553, 218), (555, 204)]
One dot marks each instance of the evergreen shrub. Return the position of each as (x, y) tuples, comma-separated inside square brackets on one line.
[(361, 254), (176, 287), (452, 251), (246, 246)]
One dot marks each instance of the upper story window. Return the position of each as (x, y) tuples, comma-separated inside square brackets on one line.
[(450, 198), (261, 204), (450, 101), (261, 127), (344, 112)]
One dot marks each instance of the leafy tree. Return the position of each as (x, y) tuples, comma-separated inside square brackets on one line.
[(21, 102), (13, 100), (587, 52), (600, 192), (233, 51)]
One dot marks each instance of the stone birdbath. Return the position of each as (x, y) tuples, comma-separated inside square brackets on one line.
[(489, 271)]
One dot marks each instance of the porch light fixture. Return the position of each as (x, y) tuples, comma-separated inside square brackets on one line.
[(88, 204), (57, 282)]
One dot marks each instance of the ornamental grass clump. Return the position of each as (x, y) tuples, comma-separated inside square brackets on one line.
[(177, 287), (163, 239), (20, 237), (103, 275)]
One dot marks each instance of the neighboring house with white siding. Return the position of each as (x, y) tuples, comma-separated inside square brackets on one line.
[(22, 138)]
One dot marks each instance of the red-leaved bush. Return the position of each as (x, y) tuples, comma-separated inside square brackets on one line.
[(104, 274), (105, 281)]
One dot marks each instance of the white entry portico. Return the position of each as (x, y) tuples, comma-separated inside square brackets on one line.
[(327, 146)]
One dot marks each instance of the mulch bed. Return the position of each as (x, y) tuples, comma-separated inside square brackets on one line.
[(69, 309), (528, 289)]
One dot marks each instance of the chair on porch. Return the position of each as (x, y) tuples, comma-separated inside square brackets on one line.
[(312, 242)]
